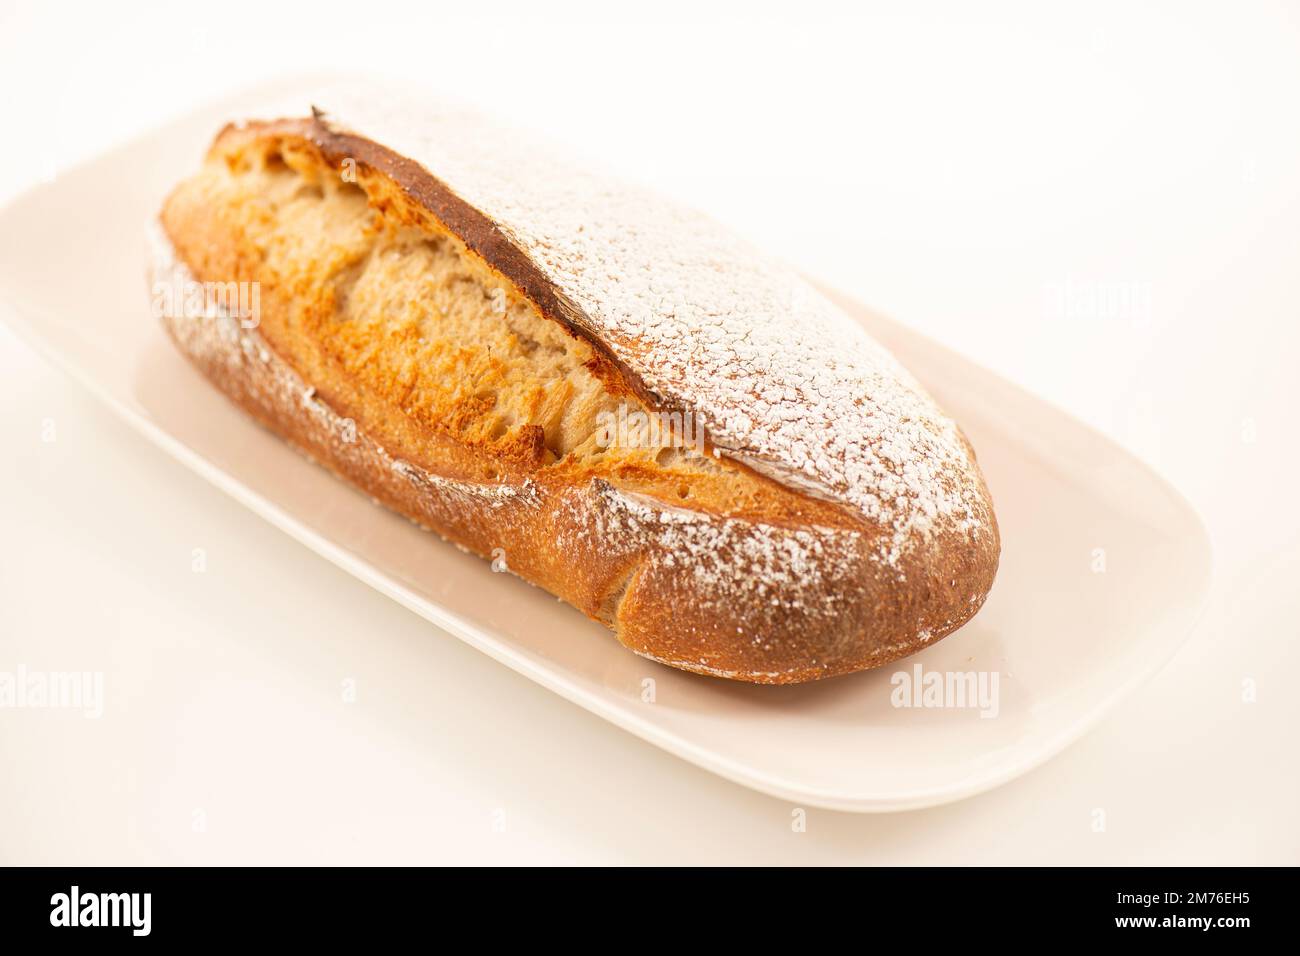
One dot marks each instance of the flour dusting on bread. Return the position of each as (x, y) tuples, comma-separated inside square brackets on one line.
[(782, 379)]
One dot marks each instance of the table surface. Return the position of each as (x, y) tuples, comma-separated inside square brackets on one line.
[(1103, 206)]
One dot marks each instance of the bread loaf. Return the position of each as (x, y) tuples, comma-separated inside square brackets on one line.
[(612, 395)]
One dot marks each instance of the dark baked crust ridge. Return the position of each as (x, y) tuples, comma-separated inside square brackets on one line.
[(481, 236)]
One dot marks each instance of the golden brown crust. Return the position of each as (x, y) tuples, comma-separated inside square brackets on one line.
[(747, 579)]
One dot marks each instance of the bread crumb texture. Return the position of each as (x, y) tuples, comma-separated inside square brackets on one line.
[(417, 339)]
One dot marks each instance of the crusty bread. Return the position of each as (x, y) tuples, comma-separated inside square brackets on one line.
[(463, 327)]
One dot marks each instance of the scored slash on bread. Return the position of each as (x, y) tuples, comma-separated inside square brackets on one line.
[(449, 318)]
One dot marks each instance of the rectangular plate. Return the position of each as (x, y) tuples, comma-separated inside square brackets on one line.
[(1065, 640)]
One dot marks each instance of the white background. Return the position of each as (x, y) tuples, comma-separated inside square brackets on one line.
[(1101, 201)]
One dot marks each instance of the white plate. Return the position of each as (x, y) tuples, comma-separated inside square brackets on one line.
[(1066, 639)]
